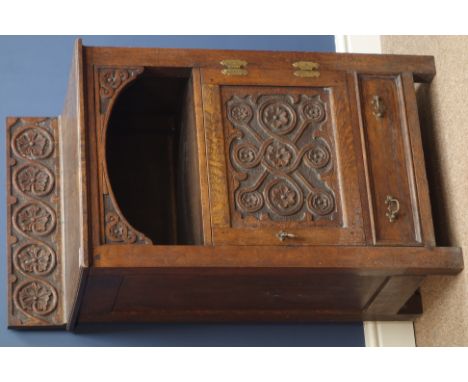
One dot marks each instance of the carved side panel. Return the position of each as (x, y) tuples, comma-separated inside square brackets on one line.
[(34, 252), (116, 229), (281, 165)]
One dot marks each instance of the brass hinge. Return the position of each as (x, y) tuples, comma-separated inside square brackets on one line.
[(234, 67), (306, 69)]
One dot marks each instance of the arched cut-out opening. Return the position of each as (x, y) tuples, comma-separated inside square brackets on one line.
[(151, 155)]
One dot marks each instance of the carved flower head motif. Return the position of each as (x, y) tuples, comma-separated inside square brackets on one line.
[(251, 201), (279, 155), (33, 143), (314, 110), (36, 297), (322, 203), (34, 218), (246, 155), (319, 156), (283, 196), (33, 180), (35, 258), (241, 113), (277, 117)]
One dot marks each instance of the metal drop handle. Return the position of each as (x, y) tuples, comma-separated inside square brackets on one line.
[(281, 235), (393, 207)]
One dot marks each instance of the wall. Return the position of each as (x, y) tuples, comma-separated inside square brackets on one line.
[(33, 78), (443, 107)]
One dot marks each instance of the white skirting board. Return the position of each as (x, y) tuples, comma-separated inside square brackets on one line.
[(377, 333)]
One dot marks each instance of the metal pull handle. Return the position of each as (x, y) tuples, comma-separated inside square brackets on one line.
[(393, 206), (378, 106), (281, 235)]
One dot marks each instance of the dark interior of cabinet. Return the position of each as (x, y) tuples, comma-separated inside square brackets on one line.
[(151, 153)]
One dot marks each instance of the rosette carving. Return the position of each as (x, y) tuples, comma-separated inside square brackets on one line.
[(279, 155), (33, 143), (35, 258), (277, 116), (284, 197), (34, 180), (241, 113), (321, 203), (35, 219), (318, 156), (36, 297), (251, 201), (314, 110)]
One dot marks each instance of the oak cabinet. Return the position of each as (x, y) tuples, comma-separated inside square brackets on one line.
[(194, 185)]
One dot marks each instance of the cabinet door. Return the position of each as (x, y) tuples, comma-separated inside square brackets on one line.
[(281, 159), (388, 150)]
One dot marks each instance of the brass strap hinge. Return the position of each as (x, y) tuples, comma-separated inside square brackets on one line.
[(234, 67), (306, 69)]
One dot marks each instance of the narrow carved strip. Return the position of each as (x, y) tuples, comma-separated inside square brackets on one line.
[(34, 259)]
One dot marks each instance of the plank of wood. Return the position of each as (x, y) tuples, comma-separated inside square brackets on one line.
[(375, 260), (423, 67)]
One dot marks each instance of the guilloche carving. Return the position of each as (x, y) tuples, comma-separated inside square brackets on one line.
[(279, 154)]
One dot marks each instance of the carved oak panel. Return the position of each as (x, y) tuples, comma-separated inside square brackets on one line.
[(281, 156), (34, 225)]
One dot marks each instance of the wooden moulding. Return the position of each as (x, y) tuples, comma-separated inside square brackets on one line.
[(387, 261), (423, 67)]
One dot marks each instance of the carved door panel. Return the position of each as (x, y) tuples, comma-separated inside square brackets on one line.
[(281, 159)]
